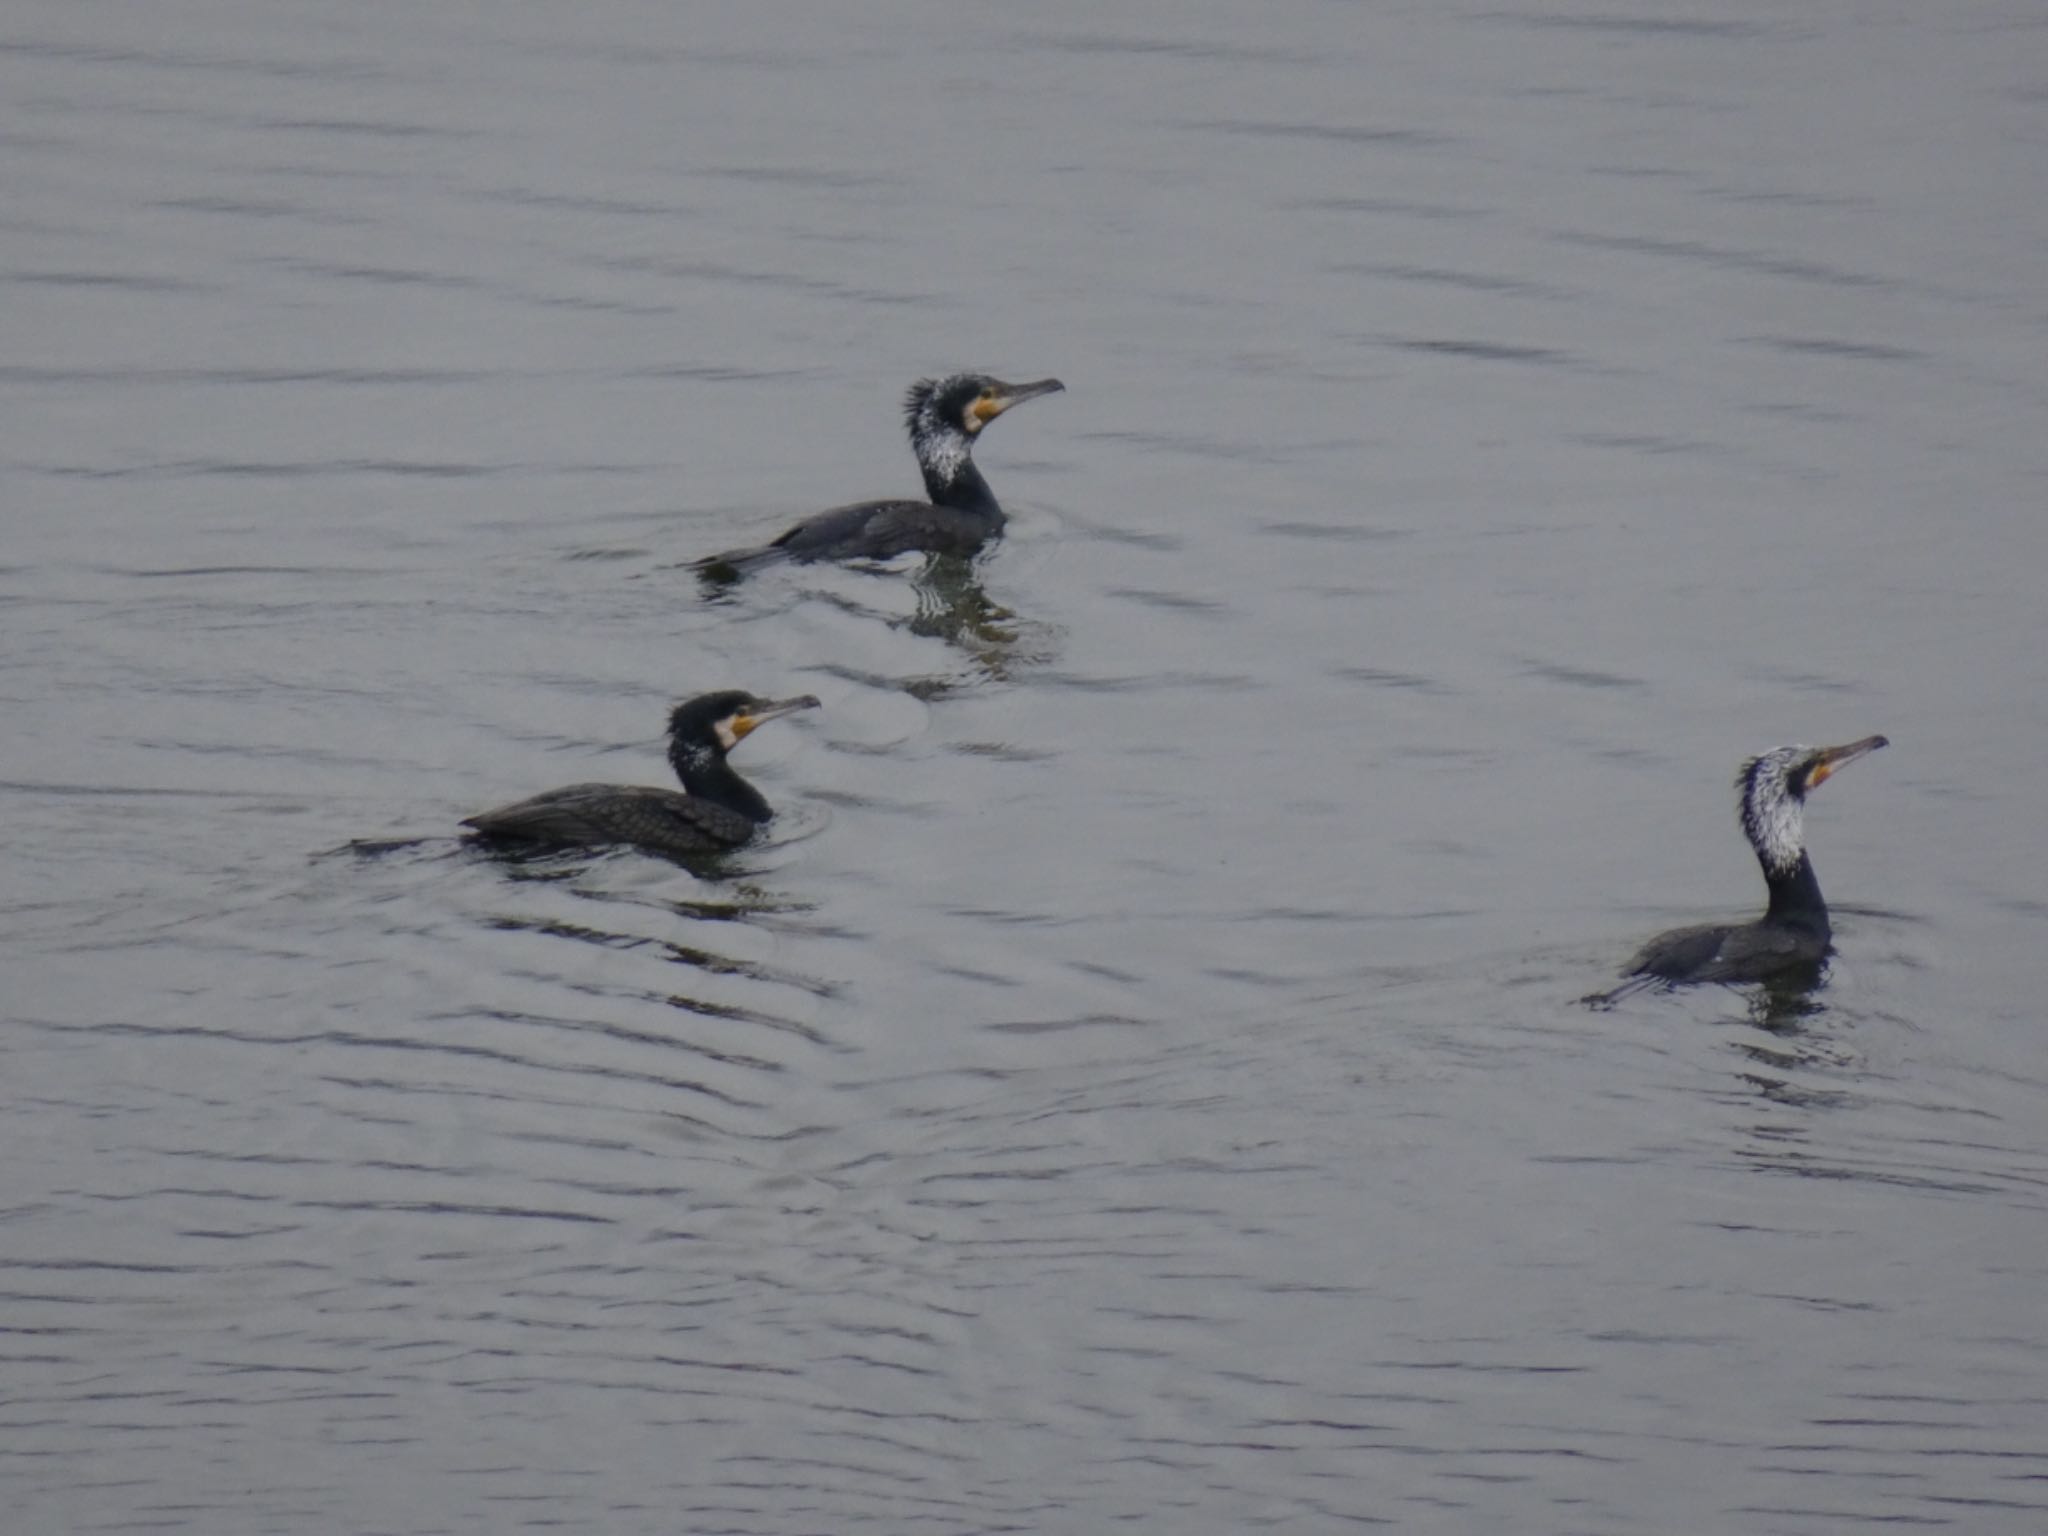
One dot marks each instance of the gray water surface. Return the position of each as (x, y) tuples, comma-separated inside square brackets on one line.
[(1140, 1082)]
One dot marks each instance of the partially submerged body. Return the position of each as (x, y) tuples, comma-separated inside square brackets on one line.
[(1788, 945), (944, 416), (716, 810)]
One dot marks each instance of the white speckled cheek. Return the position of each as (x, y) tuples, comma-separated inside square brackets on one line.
[(726, 738), (1772, 815)]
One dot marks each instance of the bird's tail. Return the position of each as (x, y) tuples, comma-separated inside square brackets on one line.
[(735, 563), (1641, 981)]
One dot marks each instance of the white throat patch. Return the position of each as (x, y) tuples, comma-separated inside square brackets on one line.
[(944, 450)]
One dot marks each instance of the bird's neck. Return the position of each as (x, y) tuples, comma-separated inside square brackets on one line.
[(1796, 900), (950, 478), (707, 776)]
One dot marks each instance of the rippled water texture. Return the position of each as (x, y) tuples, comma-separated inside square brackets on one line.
[(1140, 1083)]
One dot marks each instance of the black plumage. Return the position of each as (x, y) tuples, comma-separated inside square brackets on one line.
[(1788, 944), (719, 810), (943, 416)]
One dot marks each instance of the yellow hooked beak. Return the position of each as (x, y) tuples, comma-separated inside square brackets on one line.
[(763, 710), (1829, 759), (999, 397)]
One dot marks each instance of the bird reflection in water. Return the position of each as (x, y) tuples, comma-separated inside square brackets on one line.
[(951, 606), (743, 903)]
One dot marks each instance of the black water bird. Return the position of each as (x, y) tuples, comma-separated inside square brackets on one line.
[(1789, 942), (944, 416), (720, 809)]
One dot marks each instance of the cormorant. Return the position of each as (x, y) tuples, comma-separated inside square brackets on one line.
[(1789, 942), (944, 417), (721, 810)]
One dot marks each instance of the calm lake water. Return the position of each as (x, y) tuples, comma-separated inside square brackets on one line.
[(1140, 1084)]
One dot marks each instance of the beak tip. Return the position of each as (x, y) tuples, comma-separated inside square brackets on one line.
[(774, 709)]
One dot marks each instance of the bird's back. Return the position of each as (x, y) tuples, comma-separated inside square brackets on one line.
[(881, 530), (1728, 953), (598, 815)]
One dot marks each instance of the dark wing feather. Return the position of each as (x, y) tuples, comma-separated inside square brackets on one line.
[(1763, 952), (1728, 954), (599, 815), (1680, 954), (865, 530), (840, 533), (881, 530)]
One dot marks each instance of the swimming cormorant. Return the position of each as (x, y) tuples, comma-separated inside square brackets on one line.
[(1789, 942), (721, 810), (944, 417)]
